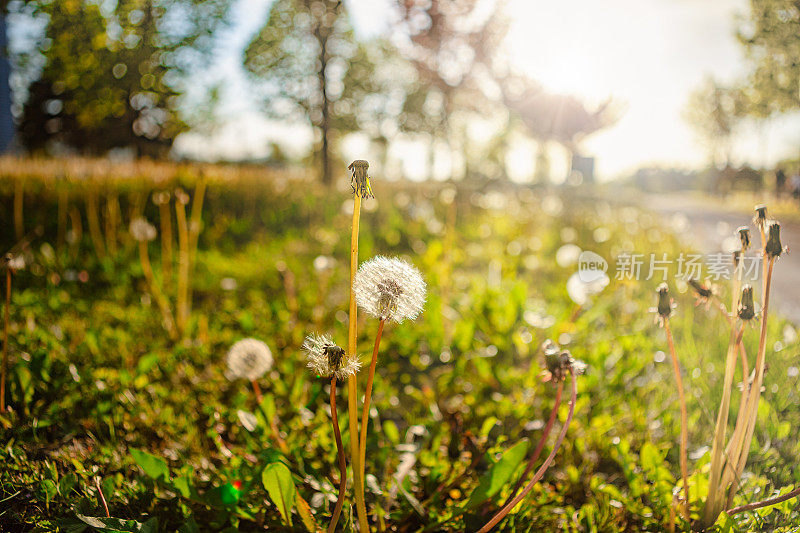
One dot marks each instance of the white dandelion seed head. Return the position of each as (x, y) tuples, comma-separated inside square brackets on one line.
[(390, 288), (249, 359), (325, 358), (142, 230), (161, 197), (15, 262)]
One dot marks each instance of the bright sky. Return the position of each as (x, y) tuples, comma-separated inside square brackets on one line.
[(646, 54)]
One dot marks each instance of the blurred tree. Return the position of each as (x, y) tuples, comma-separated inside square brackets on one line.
[(771, 37), (714, 112), (450, 44), (378, 83), (114, 74), (310, 63), (554, 117)]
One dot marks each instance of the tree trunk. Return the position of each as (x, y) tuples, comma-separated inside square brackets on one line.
[(325, 126)]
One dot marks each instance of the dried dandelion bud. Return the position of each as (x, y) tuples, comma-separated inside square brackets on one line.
[(774, 248), (747, 310), (760, 218), (389, 288), (700, 290), (360, 178), (744, 237), (249, 359), (142, 231), (737, 257), (664, 308), (161, 197), (325, 358), (560, 363)]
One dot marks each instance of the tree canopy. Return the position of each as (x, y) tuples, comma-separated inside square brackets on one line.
[(116, 78)]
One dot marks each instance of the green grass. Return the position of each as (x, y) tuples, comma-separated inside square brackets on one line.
[(95, 381)]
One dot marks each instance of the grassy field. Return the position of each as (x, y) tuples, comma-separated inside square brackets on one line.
[(103, 397)]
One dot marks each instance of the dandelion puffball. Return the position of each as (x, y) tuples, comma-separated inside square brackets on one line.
[(389, 288), (142, 230), (249, 359), (325, 358)]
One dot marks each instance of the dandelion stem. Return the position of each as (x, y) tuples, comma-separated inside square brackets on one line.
[(166, 242), (342, 461), (352, 388), (368, 396), (764, 503), (163, 305), (183, 266), (257, 391), (542, 441), (684, 423), (754, 396), (5, 342), (102, 497), (542, 469), (718, 446), (94, 223)]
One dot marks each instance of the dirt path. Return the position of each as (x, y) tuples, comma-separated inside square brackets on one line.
[(709, 225)]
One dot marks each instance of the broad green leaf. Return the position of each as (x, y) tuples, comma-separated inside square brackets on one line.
[(115, 525), (154, 467), (277, 479), (498, 474)]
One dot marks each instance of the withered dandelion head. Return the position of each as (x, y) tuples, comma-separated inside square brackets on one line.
[(325, 358), (760, 218), (665, 305), (390, 288), (737, 257), (249, 359), (142, 231), (774, 248), (744, 237), (560, 363), (702, 292), (747, 309), (360, 178)]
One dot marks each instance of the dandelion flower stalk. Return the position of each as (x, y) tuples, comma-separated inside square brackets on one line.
[(342, 461), (143, 232), (664, 312), (390, 289), (359, 170), (540, 446), (362, 447), (93, 218), (183, 260), (711, 509), (161, 199), (547, 462), (326, 359)]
